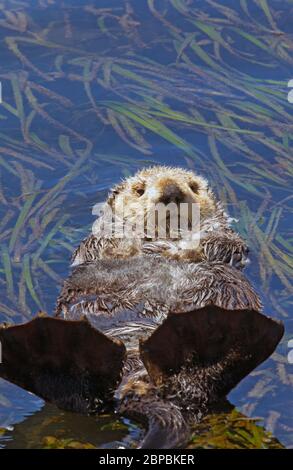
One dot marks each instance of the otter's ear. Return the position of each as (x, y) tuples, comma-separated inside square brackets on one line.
[(68, 363), (218, 346), (114, 193)]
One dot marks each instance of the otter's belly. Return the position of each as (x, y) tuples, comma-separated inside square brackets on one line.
[(126, 324), (131, 332)]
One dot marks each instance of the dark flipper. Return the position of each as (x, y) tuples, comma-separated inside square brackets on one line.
[(68, 363), (218, 347)]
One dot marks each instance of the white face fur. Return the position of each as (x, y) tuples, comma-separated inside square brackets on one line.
[(176, 188), (161, 184)]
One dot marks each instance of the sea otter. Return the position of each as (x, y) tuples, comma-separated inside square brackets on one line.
[(137, 196), (159, 332)]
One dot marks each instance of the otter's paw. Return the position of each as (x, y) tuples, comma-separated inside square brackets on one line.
[(228, 249), (239, 259)]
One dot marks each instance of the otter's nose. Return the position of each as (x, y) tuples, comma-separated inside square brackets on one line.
[(172, 193)]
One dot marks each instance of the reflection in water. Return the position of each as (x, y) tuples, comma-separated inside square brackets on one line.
[(15, 405), (92, 91), (51, 428)]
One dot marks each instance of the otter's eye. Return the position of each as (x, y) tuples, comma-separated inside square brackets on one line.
[(139, 188), (139, 191), (193, 187)]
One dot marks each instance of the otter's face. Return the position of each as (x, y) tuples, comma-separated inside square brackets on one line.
[(160, 185)]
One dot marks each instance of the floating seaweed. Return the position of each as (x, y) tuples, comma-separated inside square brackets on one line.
[(232, 430)]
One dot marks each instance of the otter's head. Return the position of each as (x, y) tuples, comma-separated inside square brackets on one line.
[(139, 194)]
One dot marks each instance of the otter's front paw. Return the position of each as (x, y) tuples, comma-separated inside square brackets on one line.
[(226, 249), (239, 259)]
